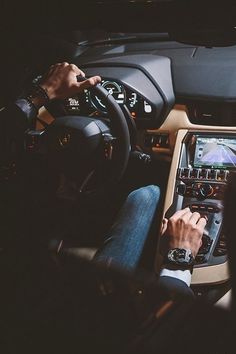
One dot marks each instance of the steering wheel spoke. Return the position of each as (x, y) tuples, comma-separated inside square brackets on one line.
[(86, 181), (33, 141), (109, 141)]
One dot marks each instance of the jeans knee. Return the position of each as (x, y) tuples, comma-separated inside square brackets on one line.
[(147, 195)]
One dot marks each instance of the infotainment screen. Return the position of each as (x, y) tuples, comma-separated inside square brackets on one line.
[(215, 152)]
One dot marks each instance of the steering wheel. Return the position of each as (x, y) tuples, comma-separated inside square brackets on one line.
[(80, 146)]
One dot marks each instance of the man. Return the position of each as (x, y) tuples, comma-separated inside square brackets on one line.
[(181, 234), (183, 230)]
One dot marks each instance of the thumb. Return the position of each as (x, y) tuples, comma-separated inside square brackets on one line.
[(92, 81), (164, 226)]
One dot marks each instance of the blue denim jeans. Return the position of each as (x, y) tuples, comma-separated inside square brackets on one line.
[(125, 241)]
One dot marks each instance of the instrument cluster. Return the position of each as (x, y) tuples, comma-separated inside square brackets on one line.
[(91, 105)]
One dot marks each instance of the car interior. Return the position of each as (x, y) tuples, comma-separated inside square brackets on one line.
[(168, 92)]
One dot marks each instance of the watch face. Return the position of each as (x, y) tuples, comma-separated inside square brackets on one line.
[(180, 256)]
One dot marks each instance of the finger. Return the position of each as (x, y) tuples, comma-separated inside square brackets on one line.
[(201, 224), (205, 217), (81, 73), (179, 213), (76, 70), (194, 218), (186, 216), (55, 67), (164, 226), (183, 214), (64, 63)]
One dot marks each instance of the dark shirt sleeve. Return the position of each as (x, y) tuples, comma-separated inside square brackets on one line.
[(15, 119), (176, 287)]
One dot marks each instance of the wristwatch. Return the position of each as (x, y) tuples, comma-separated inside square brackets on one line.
[(179, 258)]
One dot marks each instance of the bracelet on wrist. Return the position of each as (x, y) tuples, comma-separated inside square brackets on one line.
[(38, 97), (42, 91)]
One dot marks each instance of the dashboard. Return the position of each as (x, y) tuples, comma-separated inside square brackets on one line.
[(90, 104), (142, 83), (184, 118)]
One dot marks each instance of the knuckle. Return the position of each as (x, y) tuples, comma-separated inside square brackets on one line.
[(195, 213), (175, 216), (72, 67), (172, 220)]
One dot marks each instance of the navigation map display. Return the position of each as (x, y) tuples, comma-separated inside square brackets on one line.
[(215, 152)]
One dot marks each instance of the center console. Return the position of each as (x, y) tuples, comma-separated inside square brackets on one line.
[(205, 160)]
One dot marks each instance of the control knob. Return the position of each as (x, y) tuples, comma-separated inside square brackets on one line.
[(206, 190)]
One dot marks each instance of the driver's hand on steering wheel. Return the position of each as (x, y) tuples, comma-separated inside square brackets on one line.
[(61, 82)]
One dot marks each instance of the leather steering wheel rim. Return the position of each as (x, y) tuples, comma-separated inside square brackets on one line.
[(120, 129)]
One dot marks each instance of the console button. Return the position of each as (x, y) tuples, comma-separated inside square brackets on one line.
[(185, 173), (149, 140), (220, 252), (221, 175), (203, 173), (181, 189), (202, 208), (223, 237), (206, 190), (206, 244), (194, 173), (222, 244), (210, 209), (200, 258), (212, 174), (221, 247)]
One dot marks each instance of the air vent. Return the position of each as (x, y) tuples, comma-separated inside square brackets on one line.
[(212, 113), (157, 140), (206, 113)]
